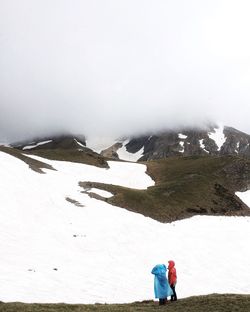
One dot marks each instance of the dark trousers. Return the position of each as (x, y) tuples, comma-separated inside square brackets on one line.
[(162, 301), (174, 296)]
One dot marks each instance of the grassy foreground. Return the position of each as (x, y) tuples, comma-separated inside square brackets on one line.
[(210, 303)]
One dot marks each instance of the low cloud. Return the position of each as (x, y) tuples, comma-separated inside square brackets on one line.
[(113, 67)]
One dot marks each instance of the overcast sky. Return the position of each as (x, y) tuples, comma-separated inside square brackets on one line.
[(114, 67)]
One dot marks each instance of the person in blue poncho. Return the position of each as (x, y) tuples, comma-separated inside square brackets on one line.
[(162, 288)]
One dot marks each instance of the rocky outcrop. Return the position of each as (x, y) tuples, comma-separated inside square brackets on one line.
[(111, 152), (212, 141), (237, 142)]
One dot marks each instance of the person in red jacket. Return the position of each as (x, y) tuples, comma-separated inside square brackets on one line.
[(172, 278)]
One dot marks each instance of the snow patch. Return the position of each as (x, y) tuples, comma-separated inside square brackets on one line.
[(237, 148), (35, 145), (123, 154), (182, 146), (102, 193), (218, 136), (203, 146), (98, 145), (182, 136), (245, 197), (77, 142)]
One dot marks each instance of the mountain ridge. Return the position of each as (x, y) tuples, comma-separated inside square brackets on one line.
[(214, 141)]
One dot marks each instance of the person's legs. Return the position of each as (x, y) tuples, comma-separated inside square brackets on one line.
[(174, 296), (163, 301)]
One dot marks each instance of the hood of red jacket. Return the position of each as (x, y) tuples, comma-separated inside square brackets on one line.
[(171, 264)]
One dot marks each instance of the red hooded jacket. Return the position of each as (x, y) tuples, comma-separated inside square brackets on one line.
[(172, 276)]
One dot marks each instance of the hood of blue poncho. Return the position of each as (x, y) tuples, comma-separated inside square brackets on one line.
[(159, 269)]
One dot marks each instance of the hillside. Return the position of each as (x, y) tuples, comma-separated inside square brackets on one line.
[(62, 147), (187, 186)]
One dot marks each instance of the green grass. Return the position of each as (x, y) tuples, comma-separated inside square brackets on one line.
[(187, 186), (210, 303)]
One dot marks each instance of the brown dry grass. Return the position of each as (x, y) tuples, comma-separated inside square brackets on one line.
[(210, 303)]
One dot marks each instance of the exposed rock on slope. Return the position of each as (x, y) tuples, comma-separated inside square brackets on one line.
[(189, 142), (111, 152)]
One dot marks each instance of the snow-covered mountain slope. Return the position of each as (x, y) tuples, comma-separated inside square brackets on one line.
[(55, 251), (214, 140), (114, 148)]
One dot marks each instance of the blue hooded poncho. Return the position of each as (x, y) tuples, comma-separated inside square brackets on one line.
[(161, 285)]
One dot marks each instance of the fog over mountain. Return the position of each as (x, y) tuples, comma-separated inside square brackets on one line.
[(113, 67)]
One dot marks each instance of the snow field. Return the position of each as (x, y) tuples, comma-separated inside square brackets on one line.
[(54, 251)]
